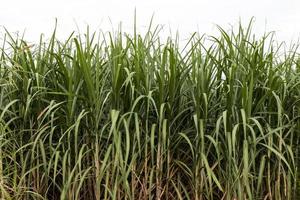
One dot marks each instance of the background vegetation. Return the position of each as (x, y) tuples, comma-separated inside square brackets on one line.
[(120, 116)]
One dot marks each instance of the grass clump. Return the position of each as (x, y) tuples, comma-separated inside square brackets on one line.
[(120, 116)]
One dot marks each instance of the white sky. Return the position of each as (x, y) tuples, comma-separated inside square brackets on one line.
[(186, 16)]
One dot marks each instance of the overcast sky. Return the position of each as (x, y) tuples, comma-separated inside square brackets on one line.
[(186, 16)]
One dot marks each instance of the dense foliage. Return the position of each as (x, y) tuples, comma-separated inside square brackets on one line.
[(120, 116)]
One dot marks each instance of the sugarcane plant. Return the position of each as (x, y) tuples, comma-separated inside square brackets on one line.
[(114, 115)]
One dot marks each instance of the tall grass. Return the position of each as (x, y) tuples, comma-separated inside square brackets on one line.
[(120, 116)]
